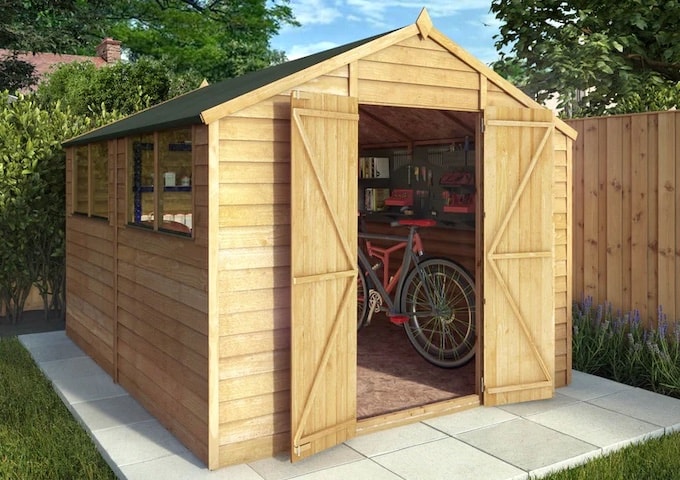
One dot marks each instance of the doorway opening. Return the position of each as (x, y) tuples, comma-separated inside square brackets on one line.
[(419, 156)]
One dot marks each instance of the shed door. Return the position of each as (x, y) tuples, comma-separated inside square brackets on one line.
[(519, 333), (324, 158)]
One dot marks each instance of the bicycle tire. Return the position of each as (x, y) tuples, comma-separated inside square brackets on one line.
[(362, 298), (446, 337)]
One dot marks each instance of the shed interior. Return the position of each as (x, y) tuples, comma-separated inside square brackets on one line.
[(391, 375)]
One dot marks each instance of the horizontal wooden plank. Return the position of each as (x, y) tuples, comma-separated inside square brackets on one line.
[(172, 267), (93, 306), (92, 227), (254, 257), (254, 151), (413, 95), (172, 379), (250, 407), (258, 129), (257, 427), (255, 342), (277, 106), (174, 291), (80, 240), (236, 323), (238, 172), (256, 300), (246, 386), (417, 53), (91, 345), (254, 236), (263, 447), (498, 98), (255, 215), (253, 279), (166, 306), (87, 287), (326, 84), (254, 194), (167, 335), (434, 76), (271, 362), (164, 245)]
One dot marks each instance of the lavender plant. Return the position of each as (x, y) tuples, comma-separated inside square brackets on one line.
[(617, 346)]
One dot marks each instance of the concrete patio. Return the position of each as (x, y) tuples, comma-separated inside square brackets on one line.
[(589, 418)]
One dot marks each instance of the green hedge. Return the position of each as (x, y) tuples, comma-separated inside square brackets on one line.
[(32, 199)]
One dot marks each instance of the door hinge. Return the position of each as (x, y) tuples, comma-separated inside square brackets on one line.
[(481, 126), (481, 384)]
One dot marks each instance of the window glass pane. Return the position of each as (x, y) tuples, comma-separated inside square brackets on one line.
[(80, 184), (174, 162), (141, 173), (100, 179)]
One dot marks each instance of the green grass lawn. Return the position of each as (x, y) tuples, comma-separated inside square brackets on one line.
[(655, 459), (39, 438)]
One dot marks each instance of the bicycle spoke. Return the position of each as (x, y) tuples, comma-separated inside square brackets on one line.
[(440, 303)]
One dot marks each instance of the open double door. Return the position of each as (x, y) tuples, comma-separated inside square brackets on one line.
[(516, 322)]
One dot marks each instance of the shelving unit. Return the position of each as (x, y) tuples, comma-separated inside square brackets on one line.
[(433, 181)]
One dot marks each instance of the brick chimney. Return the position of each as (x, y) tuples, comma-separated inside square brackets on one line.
[(109, 50)]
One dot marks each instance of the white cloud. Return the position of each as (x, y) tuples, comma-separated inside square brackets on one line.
[(377, 12), (298, 51), (314, 12)]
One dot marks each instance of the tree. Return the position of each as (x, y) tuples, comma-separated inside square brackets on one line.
[(619, 52), (16, 74), (57, 26), (123, 87), (217, 38)]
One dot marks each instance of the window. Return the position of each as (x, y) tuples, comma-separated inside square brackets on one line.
[(91, 180), (160, 175)]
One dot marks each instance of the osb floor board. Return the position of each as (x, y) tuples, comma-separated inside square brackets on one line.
[(392, 376)]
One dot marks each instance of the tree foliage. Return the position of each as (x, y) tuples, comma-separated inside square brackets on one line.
[(211, 39), (57, 26), (122, 87), (217, 38), (32, 197), (622, 53), (16, 74)]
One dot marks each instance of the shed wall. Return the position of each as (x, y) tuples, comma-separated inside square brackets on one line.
[(156, 344), (254, 237)]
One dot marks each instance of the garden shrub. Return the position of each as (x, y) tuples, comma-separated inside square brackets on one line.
[(32, 199), (617, 346)]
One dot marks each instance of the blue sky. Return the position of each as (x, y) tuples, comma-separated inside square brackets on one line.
[(329, 23)]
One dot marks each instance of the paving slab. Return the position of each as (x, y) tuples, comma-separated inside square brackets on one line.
[(394, 439), (448, 459), (527, 445), (644, 405), (598, 426)]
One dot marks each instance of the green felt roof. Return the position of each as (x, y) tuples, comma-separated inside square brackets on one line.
[(186, 109)]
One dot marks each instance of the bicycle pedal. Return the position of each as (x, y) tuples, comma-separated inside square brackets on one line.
[(398, 319)]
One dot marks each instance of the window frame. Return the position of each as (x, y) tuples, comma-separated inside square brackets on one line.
[(158, 187), (89, 177)]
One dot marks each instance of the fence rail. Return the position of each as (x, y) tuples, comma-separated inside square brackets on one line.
[(626, 245)]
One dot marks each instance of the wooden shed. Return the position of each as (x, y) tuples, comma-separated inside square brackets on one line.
[(211, 242)]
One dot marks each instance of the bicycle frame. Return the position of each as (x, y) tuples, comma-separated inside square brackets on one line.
[(413, 249)]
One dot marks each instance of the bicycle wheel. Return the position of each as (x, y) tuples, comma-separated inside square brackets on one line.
[(362, 299), (441, 308)]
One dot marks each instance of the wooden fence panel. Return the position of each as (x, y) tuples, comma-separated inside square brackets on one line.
[(626, 240)]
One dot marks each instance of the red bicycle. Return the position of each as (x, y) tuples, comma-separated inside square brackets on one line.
[(434, 298)]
